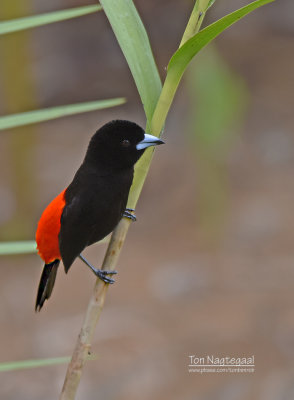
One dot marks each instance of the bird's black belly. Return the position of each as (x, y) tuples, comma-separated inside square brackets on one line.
[(108, 207), (105, 220)]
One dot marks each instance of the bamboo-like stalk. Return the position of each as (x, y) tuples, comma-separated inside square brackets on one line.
[(97, 300), (75, 367), (95, 306)]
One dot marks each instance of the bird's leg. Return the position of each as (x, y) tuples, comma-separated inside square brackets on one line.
[(100, 273), (128, 213)]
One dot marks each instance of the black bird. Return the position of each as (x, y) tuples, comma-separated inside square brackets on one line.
[(93, 204)]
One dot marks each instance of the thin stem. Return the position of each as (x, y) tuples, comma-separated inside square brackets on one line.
[(172, 81), (83, 345), (192, 23), (164, 103), (96, 303), (195, 20)]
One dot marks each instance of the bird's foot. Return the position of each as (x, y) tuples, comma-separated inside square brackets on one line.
[(128, 213), (101, 274)]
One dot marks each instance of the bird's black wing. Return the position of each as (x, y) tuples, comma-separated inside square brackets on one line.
[(73, 237), (94, 206), (87, 217)]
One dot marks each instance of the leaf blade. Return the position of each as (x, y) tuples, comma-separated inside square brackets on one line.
[(134, 43), (46, 114), (184, 54), (27, 247), (36, 363), (19, 24), (18, 247), (181, 58), (27, 364)]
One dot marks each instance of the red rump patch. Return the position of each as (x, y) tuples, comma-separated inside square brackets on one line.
[(48, 230)]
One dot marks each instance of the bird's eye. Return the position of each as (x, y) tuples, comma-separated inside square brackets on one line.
[(125, 143)]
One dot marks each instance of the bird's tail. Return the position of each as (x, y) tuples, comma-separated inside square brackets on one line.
[(46, 283)]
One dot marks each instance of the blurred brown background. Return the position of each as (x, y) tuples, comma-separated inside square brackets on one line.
[(208, 269)]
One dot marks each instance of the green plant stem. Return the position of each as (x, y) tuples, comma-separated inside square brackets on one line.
[(94, 309), (164, 103), (195, 20), (97, 300), (96, 303), (172, 79)]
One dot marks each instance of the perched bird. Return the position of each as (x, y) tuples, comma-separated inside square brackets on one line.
[(93, 204)]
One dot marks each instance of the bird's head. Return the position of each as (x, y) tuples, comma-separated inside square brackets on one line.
[(119, 144)]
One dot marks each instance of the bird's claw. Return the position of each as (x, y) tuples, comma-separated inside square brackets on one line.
[(128, 213), (101, 274)]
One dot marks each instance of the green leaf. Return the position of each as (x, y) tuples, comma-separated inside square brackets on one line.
[(32, 117), (45, 362), (16, 365), (133, 40), (184, 54), (210, 4), (26, 247), (21, 247), (134, 43), (19, 24), (204, 5)]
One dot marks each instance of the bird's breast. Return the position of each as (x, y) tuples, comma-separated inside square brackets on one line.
[(108, 206)]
